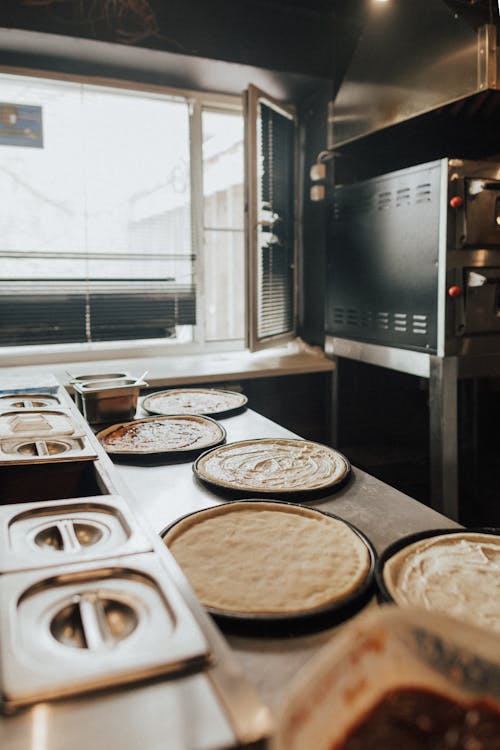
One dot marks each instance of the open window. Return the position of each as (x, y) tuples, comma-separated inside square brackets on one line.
[(271, 167)]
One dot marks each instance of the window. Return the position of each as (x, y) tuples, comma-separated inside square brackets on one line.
[(223, 226), (123, 219), (100, 239)]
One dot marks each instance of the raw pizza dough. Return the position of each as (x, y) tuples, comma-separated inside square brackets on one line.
[(162, 434), (273, 465), (194, 401), (454, 573), (268, 558)]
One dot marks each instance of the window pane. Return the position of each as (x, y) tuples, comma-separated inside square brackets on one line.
[(223, 225), (98, 219), (223, 170), (42, 189), (137, 185), (224, 298)]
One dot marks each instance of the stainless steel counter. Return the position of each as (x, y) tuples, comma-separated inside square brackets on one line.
[(167, 492), (186, 714), (204, 707)]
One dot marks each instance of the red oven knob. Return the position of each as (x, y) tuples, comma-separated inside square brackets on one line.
[(454, 291), (456, 201)]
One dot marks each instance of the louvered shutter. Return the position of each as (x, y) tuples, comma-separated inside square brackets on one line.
[(271, 217)]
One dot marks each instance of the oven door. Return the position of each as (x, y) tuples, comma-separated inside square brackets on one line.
[(482, 213), (482, 300)]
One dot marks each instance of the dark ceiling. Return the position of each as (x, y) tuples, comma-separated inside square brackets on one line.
[(311, 37)]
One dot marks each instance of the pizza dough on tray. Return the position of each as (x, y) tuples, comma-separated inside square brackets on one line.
[(194, 401), (162, 435), (455, 573), (273, 465), (261, 558)]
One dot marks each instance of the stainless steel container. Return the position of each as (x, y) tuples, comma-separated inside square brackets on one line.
[(89, 378), (105, 401)]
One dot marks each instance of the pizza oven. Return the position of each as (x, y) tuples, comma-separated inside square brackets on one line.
[(414, 259)]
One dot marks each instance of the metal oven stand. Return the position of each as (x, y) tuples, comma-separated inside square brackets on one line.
[(443, 374)]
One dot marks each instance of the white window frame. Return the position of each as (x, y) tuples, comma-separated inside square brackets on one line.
[(197, 102)]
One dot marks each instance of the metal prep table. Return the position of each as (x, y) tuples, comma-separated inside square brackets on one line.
[(185, 714), (443, 374), (166, 492)]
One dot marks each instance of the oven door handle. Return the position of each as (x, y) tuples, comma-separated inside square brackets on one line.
[(478, 279)]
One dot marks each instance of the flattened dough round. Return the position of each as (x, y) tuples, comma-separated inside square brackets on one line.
[(194, 401), (273, 465), (454, 573), (161, 435), (268, 558)]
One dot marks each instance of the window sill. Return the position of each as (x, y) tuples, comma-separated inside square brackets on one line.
[(295, 359)]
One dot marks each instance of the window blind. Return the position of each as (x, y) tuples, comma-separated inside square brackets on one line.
[(276, 249), (62, 311)]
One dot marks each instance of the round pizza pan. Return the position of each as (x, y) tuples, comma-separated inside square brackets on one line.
[(231, 491), (175, 454), (300, 623), (383, 593), (148, 402)]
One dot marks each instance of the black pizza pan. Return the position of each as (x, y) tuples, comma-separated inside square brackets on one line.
[(383, 594), (235, 493), (151, 458), (302, 623), (221, 414)]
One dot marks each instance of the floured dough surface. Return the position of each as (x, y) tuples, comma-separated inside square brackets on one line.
[(162, 434), (454, 573), (273, 465), (267, 558), (194, 401)]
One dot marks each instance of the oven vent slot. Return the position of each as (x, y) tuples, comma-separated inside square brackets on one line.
[(419, 324), (352, 317), (339, 315), (403, 197), (343, 210), (384, 200), (383, 321), (400, 322), (423, 193)]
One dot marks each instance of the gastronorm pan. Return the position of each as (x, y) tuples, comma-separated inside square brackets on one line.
[(105, 401)]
